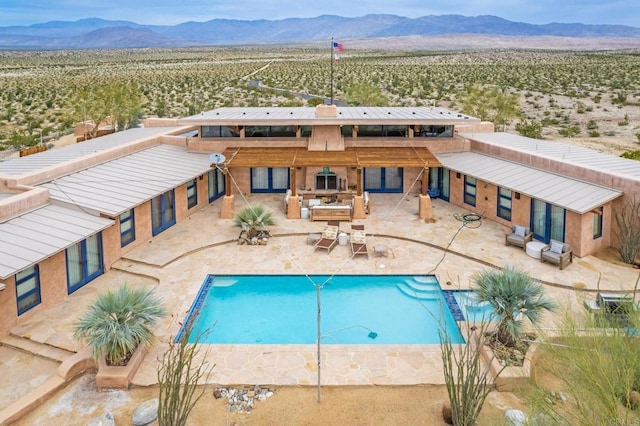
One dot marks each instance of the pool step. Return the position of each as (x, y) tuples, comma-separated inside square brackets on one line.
[(416, 293), (426, 280), (417, 286)]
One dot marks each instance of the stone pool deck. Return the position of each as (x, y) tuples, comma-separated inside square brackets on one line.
[(177, 261)]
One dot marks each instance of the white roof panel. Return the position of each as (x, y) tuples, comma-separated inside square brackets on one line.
[(118, 185), (571, 194), (32, 237), (52, 157), (565, 152), (307, 115)]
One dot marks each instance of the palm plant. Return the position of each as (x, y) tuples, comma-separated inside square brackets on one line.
[(511, 292), (252, 220), (118, 322)]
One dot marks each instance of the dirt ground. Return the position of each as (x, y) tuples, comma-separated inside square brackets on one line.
[(79, 403)]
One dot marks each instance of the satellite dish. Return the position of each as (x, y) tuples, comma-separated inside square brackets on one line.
[(217, 158)]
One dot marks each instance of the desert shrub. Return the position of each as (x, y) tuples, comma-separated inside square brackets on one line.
[(118, 322), (531, 129), (569, 131)]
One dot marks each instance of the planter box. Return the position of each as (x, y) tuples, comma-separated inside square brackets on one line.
[(110, 377), (511, 378)]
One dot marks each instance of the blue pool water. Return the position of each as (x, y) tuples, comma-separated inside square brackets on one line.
[(355, 309)]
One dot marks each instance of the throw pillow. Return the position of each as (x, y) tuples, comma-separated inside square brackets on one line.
[(519, 231), (556, 247), (358, 237)]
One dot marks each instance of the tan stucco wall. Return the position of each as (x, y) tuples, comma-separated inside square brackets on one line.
[(53, 288)]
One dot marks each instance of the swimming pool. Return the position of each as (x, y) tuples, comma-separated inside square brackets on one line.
[(355, 309)]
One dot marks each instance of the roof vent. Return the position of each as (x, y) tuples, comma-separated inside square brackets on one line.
[(217, 113), (459, 115), (413, 112), (365, 113), (267, 112), (290, 112), (244, 113), (389, 112)]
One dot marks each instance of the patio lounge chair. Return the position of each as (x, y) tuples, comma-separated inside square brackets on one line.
[(558, 253), (358, 241), (329, 236), (519, 236)]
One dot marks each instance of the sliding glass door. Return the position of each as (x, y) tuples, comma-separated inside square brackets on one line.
[(547, 221), (269, 179), (383, 179), (84, 262), (163, 212)]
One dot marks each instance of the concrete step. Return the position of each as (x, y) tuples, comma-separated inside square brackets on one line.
[(36, 348)]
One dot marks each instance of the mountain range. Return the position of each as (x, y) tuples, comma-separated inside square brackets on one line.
[(99, 33)]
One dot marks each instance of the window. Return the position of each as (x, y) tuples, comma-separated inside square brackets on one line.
[(597, 222), (435, 131), (28, 289), (346, 131), (470, 190), (270, 131), (192, 193), (127, 228), (84, 262), (305, 131), (504, 203), (220, 131), (163, 213)]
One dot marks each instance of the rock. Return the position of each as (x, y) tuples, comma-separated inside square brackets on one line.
[(562, 397), (515, 418), (146, 412), (269, 394), (217, 394), (446, 413), (634, 399), (104, 420)]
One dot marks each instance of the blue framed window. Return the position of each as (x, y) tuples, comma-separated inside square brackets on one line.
[(163, 212), (269, 179), (127, 228), (84, 262), (597, 222), (216, 184), (547, 221), (470, 190), (504, 203), (383, 179), (28, 289), (192, 193)]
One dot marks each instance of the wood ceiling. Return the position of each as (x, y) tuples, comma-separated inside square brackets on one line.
[(350, 157)]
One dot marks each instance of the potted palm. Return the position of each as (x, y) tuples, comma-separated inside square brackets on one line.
[(118, 328), (514, 295), (253, 221)]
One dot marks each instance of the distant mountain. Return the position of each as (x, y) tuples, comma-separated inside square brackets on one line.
[(100, 33)]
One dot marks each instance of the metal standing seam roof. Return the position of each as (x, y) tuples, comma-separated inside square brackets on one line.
[(52, 157), (571, 194), (34, 236), (349, 115), (562, 151), (119, 185)]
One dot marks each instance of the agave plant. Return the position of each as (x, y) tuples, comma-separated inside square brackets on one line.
[(253, 219), (511, 292), (118, 322)]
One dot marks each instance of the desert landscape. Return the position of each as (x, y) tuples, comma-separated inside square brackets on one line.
[(584, 96)]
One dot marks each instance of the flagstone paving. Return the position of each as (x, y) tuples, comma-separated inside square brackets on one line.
[(176, 262)]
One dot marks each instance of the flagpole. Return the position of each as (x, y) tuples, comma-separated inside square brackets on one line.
[(332, 70)]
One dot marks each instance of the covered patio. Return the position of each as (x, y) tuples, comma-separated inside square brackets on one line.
[(353, 158)]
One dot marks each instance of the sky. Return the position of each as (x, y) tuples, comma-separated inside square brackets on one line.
[(171, 12)]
